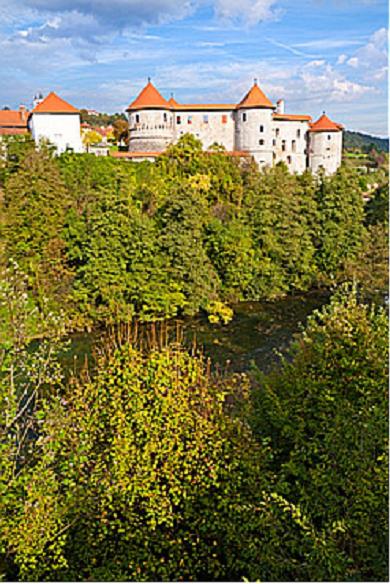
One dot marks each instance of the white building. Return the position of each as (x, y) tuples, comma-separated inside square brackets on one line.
[(253, 127), (56, 120)]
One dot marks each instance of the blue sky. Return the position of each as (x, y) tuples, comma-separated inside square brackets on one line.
[(317, 54)]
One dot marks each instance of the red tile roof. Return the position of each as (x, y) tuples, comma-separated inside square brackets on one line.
[(172, 101), (149, 98), (12, 131), (324, 124), (255, 98), (13, 118), (205, 106), (53, 104), (291, 117)]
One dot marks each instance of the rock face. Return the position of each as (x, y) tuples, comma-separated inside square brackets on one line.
[(253, 127)]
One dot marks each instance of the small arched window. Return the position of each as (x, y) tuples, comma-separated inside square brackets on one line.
[(329, 137), (293, 146), (261, 142), (244, 117), (261, 128)]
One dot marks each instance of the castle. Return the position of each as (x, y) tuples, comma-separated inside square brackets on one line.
[(252, 128)]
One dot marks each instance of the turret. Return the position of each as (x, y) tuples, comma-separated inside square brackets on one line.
[(325, 145), (150, 121), (254, 125)]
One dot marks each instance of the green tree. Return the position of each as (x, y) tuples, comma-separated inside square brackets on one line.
[(325, 414), (282, 228), (34, 207), (341, 214)]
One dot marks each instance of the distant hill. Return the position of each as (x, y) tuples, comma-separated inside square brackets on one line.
[(365, 142)]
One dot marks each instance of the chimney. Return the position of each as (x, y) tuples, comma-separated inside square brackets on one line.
[(280, 106), (23, 112)]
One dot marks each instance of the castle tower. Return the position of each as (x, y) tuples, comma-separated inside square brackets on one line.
[(325, 145), (253, 133), (150, 121), (57, 121)]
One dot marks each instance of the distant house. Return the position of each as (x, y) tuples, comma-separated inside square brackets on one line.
[(13, 122), (56, 120)]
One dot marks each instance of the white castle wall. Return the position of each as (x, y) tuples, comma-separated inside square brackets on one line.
[(254, 133), (290, 142), (325, 150), (208, 126), (151, 130), (62, 130)]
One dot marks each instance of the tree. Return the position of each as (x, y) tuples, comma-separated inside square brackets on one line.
[(325, 415), (91, 137), (121, 131), (35, 204), (341, 213), (282, 228)]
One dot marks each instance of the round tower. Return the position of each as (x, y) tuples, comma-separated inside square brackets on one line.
[(325, 145), (254, 126), (150, 121)]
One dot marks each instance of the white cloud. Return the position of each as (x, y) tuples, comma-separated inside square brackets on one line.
[(321, 79), (249, 11), (353, 62), (116, 13), (327, 44), (341, 60), (372, 58)]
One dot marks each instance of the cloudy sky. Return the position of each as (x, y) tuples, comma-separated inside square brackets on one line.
[(318, 54)]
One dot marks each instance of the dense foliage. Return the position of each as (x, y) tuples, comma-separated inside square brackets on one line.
[(155, 469), (107, 239), (151, 466)]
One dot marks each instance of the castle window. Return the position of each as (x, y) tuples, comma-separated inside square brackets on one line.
[(274, 142), (244, 117), (178, 119), (288, 159), (277, 132), (189, 120), (205, 119), (224, 119), (293, 146), (261, 128), (298, 133), (329, 136), (283, 145), (165, 117), (137, 118), (261, 142)]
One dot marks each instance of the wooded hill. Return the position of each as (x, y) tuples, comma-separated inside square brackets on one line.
[(364, 142)]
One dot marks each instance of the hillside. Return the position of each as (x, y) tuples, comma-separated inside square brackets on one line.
[(364, 142)]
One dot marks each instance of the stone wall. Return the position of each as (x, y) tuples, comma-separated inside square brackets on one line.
[(254, 133), (208, 126), (325, 151), (150, 130), (290, 143)]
